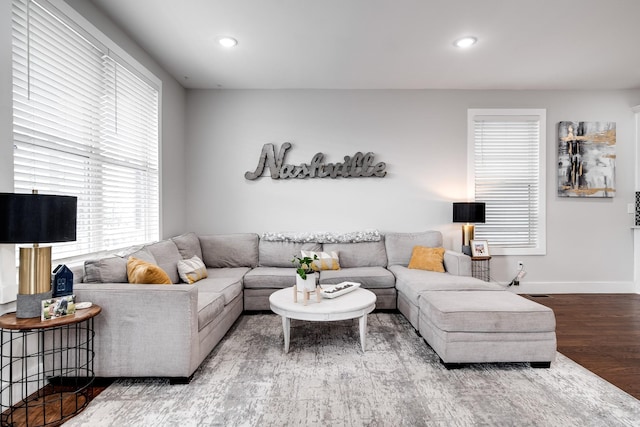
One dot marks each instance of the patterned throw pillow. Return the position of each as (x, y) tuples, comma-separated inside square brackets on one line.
[(425, 258), (191, 270), (325, 261), (143, 272)]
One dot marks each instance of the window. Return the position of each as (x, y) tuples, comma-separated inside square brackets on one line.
[(86, 125), (506, 171)]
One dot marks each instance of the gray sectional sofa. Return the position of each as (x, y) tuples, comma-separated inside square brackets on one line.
[(168, 330)]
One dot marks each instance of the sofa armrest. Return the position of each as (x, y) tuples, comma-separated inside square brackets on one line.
[(457, 263), (144, 330)]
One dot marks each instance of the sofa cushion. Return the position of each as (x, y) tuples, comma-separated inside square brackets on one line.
[(139, 253), (457, 263), (231, 272), (280, 254), (210, 306), (142, 272), (230, 250), (400, 245), (188, 245), (368, 277), (229, 287), (477, 311), (323, 260), (111, 269), (270, 277), (363, 254), (191, 270), (412, 283), (430, 259), (167, 255)]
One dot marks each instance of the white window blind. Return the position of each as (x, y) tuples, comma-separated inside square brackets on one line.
[(85, 125), (507, 173)]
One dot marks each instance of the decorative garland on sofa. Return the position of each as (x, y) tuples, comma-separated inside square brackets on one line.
[(323, 237)]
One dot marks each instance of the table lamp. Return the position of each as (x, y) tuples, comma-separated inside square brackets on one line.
[(468, 212), (36, 218)]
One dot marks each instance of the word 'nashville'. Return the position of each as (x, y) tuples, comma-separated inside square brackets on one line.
[(360, 165)]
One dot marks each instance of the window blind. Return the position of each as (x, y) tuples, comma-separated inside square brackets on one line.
[(84, 125), (507, 177)]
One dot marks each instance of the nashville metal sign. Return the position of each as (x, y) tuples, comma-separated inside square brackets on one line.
[(360, 165)]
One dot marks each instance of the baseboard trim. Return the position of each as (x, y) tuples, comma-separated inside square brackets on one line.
[(575, 288)]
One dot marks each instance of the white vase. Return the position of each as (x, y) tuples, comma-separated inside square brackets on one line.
[(308, 284)]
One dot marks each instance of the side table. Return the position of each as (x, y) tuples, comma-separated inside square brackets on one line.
[(46, 368), (481, 267)]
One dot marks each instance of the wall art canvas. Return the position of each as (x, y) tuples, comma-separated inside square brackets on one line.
[(586, 159)]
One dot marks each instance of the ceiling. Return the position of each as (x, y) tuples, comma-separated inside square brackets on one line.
[(389, 44)]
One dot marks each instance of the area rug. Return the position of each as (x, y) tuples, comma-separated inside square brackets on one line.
[(326, 380)]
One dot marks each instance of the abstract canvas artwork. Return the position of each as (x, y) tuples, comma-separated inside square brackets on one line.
[(586, 159), (637, 208)]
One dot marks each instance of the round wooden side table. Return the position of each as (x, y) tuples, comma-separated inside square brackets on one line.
[(46, 368)]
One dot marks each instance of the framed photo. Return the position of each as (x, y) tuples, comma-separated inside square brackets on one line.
[(58, 307), (479, 248)]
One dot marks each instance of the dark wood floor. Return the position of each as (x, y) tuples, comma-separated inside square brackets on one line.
[(600, 332)]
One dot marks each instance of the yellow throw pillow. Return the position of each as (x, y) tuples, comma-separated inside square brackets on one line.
[(143, 272), (325, 261), (424, 258), (191, 270)]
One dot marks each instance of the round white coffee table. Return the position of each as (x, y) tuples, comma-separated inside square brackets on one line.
[(355, 304)]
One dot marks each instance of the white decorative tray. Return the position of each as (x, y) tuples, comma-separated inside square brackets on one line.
[(333, 291)]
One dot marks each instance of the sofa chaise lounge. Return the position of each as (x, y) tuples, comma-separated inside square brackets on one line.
[(150, 330)]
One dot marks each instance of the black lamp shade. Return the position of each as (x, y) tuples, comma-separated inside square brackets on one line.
[(470, 212), (37, 218)]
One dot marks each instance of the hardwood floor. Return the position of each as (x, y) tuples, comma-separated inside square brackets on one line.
[(52, 410), (600, 332)]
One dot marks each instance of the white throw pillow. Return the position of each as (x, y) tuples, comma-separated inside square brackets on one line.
[(325, 261), (191, 270)]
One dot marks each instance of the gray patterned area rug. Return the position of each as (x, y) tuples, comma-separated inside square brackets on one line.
[(326, 380)]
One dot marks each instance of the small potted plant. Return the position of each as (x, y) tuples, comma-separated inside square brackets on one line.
[(305, 276)]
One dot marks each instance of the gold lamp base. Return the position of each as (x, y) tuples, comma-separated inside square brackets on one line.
[(34, 280), (467, 237)]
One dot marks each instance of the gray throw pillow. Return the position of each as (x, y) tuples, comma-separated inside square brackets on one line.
[(189, 245), (230, 250), (106, 270)]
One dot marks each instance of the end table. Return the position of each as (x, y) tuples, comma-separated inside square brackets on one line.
[(46, 368), (481, 267)]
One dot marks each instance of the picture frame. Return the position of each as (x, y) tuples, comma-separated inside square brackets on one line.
[(479, 248), (54, 308)]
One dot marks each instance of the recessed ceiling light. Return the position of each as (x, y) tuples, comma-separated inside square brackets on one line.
[(227, 41), (465, 42)]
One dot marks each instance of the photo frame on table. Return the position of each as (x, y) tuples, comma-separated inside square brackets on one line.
[(479, 248), (58, 307)]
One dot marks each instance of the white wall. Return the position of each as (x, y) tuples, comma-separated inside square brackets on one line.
[(421, 135)]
